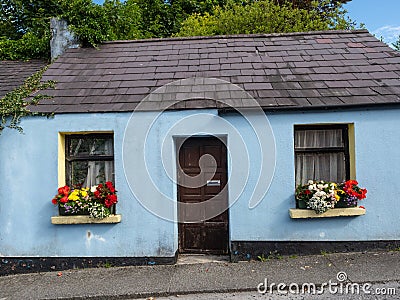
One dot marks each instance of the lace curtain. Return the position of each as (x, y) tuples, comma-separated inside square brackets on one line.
[(323, 165), (90, 160), (99, 171)]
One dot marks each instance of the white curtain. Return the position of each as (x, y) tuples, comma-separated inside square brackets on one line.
[(319, 166), (99, 171)]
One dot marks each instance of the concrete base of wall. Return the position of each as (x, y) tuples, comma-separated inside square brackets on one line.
[(18, 265), (243, 250)]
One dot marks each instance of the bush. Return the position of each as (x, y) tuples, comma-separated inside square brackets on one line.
[(264, 16)]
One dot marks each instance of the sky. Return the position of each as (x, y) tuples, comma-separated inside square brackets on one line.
[(381, 18)]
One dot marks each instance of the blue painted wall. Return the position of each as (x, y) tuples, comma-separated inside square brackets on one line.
[(377, 136), (28, 181)]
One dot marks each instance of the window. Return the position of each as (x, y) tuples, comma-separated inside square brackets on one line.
[(89, 159), (321, 153)]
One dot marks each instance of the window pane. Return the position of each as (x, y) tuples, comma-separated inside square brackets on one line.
[(90, 146), (90, 173), (325, 138), (326, 166)]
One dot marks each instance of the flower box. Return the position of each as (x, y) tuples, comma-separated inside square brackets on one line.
[(81, 219), (86, 204), (63, 212), (335, 212), (320, 197)]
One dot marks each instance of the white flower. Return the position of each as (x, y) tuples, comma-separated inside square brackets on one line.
[(93, 188)]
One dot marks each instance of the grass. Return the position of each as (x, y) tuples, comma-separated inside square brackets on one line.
[(324, 252)]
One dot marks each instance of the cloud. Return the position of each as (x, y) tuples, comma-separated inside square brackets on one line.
[(389, 33)]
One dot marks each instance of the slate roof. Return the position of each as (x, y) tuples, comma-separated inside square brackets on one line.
[(14, 73), (281, 71)]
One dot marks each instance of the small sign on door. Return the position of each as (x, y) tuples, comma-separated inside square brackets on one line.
[(214, 182)]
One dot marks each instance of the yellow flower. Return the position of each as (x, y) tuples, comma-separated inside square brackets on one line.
[(84, 192), (74, 195)]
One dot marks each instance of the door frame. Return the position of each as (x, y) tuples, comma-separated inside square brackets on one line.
[(178, 142)]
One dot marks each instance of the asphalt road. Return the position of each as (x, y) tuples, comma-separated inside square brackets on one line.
[(216, 280), (389, 290)]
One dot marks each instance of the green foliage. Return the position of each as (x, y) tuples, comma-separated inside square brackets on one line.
[(272, 255), (124, 19), (107, 265), (164, 18), (264, 16), (396, 45), (24, 28), (13, 104), (87, 20), (94, 23), (29, 46), (262, 258), (22, 16), (25, 31), (24, 25), (324, 252)]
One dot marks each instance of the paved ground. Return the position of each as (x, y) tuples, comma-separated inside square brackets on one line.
[(215, 280), (384, 291)]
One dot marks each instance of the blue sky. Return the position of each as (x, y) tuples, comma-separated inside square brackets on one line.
[(381, 18)]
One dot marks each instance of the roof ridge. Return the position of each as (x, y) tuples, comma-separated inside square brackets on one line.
[(256, 35)]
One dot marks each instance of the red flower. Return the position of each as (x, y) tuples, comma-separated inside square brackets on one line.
[(110, 186), (351, 183), (361, 207), (99, 187), (64, 199), (113, 198), (64, 190), (97, 194), (307, 192), (363, 193), (110, 200), (54, 201)]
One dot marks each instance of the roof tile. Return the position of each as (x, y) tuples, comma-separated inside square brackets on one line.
[(297, 70)]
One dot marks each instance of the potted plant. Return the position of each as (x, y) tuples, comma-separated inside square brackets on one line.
[(321, 196), (97, 202)]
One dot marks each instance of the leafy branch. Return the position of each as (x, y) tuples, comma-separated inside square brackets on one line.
[(13, 106)]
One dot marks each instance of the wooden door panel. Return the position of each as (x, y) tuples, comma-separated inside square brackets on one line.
[(192, 238), (191, 157), (191, 213), (203, 234), (216, 239)]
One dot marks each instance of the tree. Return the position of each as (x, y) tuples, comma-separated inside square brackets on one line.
[(323, 5), (396, 45), (25, 32), (264, 16), (24, 28), (21, 16)]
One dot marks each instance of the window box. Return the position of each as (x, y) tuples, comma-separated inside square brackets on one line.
[(70, 220), (335, 212), (62, 212)]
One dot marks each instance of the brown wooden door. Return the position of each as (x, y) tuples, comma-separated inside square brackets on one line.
[(201, 228)]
